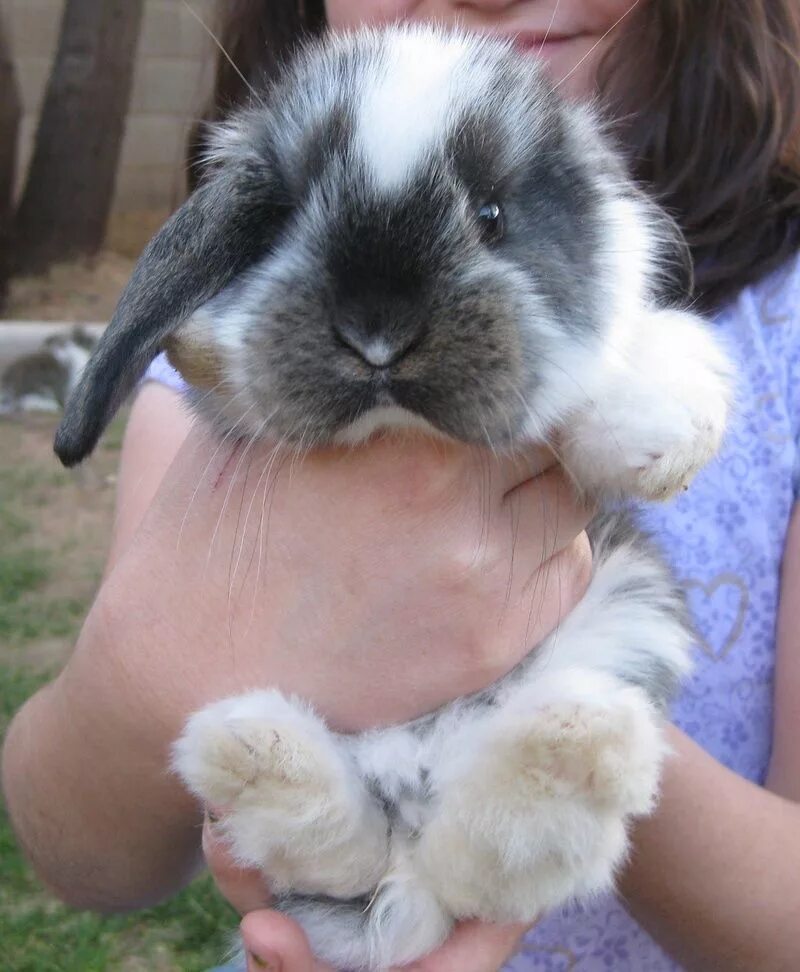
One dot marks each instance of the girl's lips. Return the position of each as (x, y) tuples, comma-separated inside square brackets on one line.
[(533, 43)]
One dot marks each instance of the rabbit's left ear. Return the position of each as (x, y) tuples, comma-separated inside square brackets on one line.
[(227, 223)]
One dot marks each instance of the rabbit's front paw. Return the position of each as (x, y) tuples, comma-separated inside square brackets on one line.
[(659, 418), (542, 816), (293, 804), (643, 446)]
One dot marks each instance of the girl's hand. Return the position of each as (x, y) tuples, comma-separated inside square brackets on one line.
[(274, 942), (378, 582), (277, 943)]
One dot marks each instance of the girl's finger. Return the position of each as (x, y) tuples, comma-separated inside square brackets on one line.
[(537, 538), (276, 943), (244, 889), (544, 507), (510, 470), (473, 947)]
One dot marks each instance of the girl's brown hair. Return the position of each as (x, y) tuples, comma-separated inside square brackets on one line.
[(712, 123)]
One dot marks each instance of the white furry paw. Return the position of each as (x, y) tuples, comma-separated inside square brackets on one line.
[(542, 816), (653, 426), (248, 748), (652, 458), (293, 804)]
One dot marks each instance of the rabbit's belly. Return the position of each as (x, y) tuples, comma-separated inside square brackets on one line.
[(395, 765)]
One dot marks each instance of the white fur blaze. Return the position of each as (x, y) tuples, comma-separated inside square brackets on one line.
[(411, 102)]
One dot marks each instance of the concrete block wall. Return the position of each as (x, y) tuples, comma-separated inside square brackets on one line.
[(172, 81)]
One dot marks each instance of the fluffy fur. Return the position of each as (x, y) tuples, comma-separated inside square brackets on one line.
[(339, 272)]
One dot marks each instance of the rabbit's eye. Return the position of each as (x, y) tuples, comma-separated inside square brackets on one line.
[(490, 222)]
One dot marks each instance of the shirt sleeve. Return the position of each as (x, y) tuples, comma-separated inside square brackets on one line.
[(162, 371)]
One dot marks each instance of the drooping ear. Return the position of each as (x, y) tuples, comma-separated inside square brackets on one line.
[(225, 225)]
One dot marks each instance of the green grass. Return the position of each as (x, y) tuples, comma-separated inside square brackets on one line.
[(190, 933), (26, 615), (38, 934), (23, 615)]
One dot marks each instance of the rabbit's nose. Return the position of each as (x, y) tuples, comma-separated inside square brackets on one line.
[(380, 349)]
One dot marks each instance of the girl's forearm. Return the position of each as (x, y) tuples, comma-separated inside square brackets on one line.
[(714, 873), (84, 778)]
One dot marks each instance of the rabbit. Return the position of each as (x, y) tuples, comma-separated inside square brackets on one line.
[(42, 380), (410, 229)]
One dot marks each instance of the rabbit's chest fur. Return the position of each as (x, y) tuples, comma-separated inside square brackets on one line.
[(412, 229)]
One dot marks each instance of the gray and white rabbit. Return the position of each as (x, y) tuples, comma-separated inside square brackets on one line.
[(411, 229), (43, 380)]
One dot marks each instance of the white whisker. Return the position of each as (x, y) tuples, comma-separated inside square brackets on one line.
[(263, 534), (224, 439), (235, 473), (600, 40), (219, 45), (235, 567), (549, 28), (252, 499)]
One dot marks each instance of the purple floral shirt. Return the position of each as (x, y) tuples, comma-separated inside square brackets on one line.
[(725, 538)]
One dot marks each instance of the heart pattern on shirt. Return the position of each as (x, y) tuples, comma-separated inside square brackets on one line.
[(718, 606)]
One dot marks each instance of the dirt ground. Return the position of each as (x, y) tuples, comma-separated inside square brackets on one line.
[(83, 292), (86, 291)]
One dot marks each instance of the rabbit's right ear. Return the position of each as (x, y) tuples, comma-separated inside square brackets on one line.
[(227, 223)]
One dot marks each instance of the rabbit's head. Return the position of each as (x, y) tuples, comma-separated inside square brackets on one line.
[(410, 227)]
